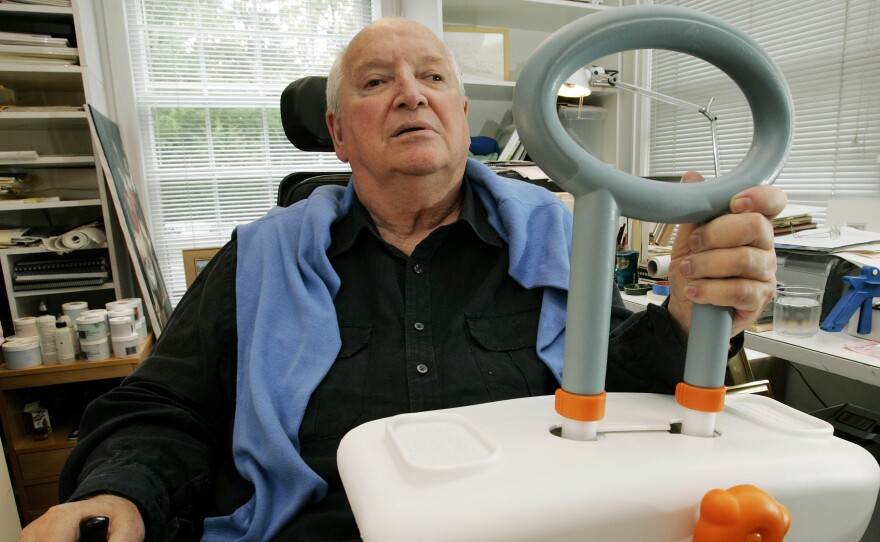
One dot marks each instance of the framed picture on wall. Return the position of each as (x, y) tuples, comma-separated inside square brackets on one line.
[(131, 217), (194, 260), (481, 52)]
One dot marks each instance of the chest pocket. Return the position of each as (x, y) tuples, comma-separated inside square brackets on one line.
[(503, 347), (338, 401)]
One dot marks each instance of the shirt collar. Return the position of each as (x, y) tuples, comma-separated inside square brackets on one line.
[(345, 232)]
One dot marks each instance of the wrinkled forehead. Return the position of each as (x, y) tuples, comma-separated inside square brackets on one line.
[(385, 47)]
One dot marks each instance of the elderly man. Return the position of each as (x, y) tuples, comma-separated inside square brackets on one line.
[(399, 293)]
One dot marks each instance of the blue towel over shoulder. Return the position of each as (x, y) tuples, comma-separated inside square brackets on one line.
[(288, 336)]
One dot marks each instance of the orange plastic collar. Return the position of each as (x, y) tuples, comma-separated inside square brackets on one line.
[(702, 399), (583, 408)]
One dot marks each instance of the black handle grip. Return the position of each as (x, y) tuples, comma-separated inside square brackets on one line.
[(94, 529)]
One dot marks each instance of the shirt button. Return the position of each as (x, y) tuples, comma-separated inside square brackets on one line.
[(417, 269), (419, 326), (422, 368)]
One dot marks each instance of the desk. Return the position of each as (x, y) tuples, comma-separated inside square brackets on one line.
[(824, 351)]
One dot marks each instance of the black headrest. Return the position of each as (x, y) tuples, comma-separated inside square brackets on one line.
[(303, 104)]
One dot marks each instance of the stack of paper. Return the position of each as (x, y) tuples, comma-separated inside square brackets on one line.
[(858, 246), (795, 218), (55, 3), (17, 47)]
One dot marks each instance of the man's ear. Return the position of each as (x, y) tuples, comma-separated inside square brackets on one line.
[(334, 125)]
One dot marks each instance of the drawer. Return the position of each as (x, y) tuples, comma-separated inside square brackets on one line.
[(42, 464), (41, 496)]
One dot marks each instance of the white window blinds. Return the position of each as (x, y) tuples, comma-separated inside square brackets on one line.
[(208, 75), (828, 52)]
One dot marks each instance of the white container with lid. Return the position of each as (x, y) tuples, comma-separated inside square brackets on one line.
[(126, 346), (26, 326), (121, 326), (140, 326), (74, 308), (90, 327), (135, 303), (22, 352), (95, 350)]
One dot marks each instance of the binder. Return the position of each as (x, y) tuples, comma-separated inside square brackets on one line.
[(60, 271), (21, 287)]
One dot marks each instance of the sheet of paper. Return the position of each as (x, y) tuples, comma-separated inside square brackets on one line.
[(827, 239)]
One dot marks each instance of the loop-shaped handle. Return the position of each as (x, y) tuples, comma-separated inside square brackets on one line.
[(653, 27), (602, 192)]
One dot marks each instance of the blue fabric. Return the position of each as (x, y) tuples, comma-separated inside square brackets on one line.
[(288, 336)]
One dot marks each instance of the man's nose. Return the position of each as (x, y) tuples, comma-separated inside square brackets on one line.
[(409, 93)]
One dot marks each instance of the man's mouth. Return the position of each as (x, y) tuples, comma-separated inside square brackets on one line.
[(409, 128)]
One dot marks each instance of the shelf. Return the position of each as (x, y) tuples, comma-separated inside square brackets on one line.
[(78, 371), (57, 439), (43, 13), (56, 291), (21, 206), (27, 250), (36, 75), (52, 161), (28, 117), (540, 15)]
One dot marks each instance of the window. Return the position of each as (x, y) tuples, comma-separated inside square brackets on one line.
[(828, 53), (208, 75)]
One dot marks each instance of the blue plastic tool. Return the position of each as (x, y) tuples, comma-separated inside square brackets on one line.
[(859, 294)]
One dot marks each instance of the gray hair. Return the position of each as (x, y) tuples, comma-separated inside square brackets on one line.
[(334, 78)]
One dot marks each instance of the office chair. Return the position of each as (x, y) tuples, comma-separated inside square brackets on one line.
[(303, 104)]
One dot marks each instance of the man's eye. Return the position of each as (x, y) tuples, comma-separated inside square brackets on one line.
[(373, 83), (436, 77)]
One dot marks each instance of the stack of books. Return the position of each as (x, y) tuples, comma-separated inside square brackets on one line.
[(20, 48), (513, 150), (12, 184), (46, 272), (785, 225), (56, 3)]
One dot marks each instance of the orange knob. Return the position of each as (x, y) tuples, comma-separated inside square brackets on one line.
[(741, 514)]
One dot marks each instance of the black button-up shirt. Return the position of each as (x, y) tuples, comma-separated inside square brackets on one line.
[(444, 327)]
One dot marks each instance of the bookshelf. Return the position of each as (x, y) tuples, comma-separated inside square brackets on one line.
[(65, 187), (528, 23), (45, 136)]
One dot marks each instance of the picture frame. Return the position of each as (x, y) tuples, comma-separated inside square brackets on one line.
[(481, 52), (195, 260), (130, 213)]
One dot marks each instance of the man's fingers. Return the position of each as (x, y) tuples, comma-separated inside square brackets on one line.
[(747, 296), (729, 231), (764, 199), (740, 262), (692, 177)]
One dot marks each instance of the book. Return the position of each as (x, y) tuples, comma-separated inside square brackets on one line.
[(66, 53), (52, 271), (21, 287), (61, 274), (791, 228)]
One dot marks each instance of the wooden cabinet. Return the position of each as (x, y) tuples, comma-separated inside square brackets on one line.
[(35, 465), (65, 187)]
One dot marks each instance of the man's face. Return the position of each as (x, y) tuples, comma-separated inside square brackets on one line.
[(400, 108)]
